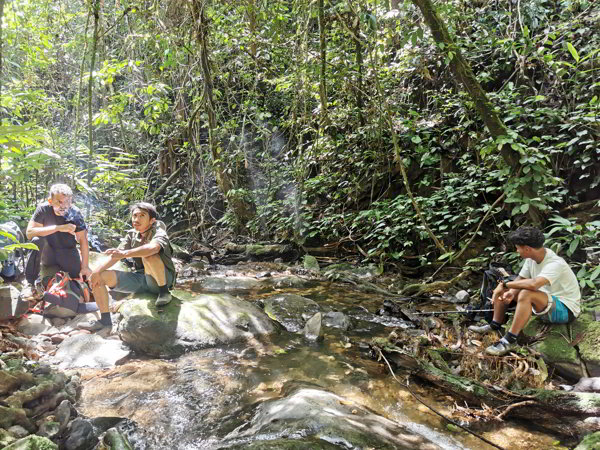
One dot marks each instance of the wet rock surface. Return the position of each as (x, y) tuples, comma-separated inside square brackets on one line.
[(328, 418), (290, 310), (190, 321)]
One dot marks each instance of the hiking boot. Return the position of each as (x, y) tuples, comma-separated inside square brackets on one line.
[(163, 299), (500, 348), (92, 325), (481, 329)]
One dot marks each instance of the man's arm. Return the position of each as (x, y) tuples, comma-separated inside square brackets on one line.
[(143, 251), (37, 229), (531, 284), (81, 237)]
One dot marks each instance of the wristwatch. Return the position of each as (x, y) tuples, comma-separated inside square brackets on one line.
[(504, 285)]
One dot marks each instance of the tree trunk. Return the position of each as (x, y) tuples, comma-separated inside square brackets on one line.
[(243, 209), (323, 50), (96, 11), (462, 71)]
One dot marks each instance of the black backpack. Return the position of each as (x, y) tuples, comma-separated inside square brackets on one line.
[(494, 274), (10, 233)]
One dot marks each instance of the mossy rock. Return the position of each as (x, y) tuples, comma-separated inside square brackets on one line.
[(589, 346), (311, 263), (556, 347), (32, 442), (191, 321)]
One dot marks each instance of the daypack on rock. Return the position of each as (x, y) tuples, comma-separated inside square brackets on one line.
[(62, 290), (491, 277), (9, 267)]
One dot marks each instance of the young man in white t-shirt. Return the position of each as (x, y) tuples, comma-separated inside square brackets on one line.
[(546, 286)]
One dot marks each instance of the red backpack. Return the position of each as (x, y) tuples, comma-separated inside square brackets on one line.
[(62, 290)]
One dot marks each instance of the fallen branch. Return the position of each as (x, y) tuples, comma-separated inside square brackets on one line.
[(418, 289)]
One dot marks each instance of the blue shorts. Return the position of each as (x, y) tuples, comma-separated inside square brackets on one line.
[(134, 282), (558, 312)]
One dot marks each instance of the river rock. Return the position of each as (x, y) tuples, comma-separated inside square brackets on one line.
[(461, 297), (313, 330), (63, 414), (33, 442), (90, 350), (81, 435), (226, 284), (290, 281), (311, 263), (336, 319), (11, 302), (49, 428), (309, 413), (8, 382), (35, 324), (290, 310), (6, 438), (18, 431), (190, 322)]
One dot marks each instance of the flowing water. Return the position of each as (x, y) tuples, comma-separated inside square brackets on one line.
[(208, 398)]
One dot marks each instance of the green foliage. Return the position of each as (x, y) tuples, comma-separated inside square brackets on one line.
[(569, 236)]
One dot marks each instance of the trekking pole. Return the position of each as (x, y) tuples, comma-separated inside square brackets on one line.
[(466, 311)]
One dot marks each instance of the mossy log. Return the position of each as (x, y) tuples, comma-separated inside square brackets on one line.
[(566, 413), (46, 385), (418, 289)]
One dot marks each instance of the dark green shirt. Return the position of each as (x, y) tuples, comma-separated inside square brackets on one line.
[(158, 234)]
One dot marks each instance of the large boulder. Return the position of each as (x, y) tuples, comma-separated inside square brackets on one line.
[(191, 321), (308, 415), (290, 310), (555, 347)]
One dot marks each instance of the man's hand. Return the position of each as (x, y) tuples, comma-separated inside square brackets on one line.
[(507, 297), (498, 292), (67, 228), (85, 272), (116, 253)]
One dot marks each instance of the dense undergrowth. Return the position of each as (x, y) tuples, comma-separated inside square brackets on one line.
[(304, 145)]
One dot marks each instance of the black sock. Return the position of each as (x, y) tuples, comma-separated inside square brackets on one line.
[(163, 289), (495, 325), (511, 338), (105, 318)]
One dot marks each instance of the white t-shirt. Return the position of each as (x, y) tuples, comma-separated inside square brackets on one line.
[(563, 282)]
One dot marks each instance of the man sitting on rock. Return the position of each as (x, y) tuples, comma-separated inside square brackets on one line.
[(148, 244), (546, 286)]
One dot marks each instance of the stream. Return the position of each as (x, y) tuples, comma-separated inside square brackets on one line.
[(284, 391)]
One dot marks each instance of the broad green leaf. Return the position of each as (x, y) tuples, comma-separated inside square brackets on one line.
[(574, 53)]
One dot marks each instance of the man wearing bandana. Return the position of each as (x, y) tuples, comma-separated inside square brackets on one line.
[(56, 227)]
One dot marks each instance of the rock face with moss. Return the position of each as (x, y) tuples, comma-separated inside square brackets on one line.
[(569, 348), (190, 322)]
